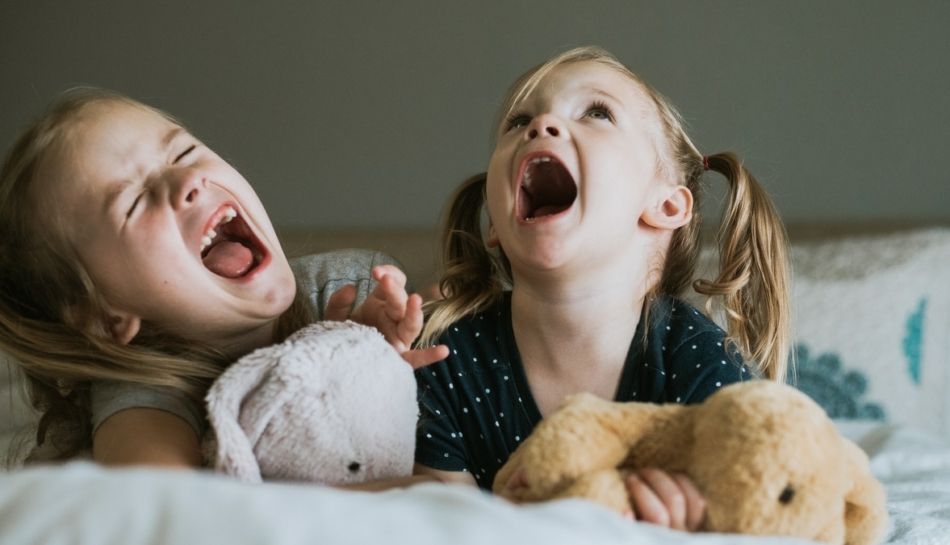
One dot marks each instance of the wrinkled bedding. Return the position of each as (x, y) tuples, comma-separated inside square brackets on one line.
[(79, 503)]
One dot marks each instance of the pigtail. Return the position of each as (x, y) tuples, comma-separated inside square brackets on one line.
[(472, 278), (753, 270)]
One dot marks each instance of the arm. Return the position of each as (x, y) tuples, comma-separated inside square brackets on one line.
[(389, 484), (448, 477), (140, 436)]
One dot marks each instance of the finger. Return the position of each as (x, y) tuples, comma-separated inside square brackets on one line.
[(669, 493), (396, 298), (695, 502), (646, 504), (338, 306), (379, 271), (394, 295), (409, 327), (421, 357)]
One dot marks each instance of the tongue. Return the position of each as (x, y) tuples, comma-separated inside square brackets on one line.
[(547, 211), (229, 259)]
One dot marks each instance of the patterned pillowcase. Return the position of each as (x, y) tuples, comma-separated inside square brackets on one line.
[(872, 327)]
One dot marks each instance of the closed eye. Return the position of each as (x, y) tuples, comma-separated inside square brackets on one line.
[(135, 204), (181, 155)]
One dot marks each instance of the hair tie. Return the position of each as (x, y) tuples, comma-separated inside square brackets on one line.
[(706, 162)]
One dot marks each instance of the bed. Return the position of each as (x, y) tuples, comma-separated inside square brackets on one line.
[(872, 314)]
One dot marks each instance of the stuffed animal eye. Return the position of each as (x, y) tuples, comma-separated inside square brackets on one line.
[(354, 467), (787, 495)]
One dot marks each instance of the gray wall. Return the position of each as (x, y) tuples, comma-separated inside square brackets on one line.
[(367, 114)]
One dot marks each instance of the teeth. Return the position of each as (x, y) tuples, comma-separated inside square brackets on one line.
[(536, 160), (526, 181), (545, 159), (229, 214)]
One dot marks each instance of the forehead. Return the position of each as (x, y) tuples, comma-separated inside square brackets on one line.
[(588, 77), (102, 140), (114, 124), (98, 148)]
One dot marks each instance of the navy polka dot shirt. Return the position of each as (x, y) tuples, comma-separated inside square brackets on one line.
[(477, 406)]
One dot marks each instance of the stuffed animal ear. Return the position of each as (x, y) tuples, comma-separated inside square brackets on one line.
[(865, 515), (234, 453)]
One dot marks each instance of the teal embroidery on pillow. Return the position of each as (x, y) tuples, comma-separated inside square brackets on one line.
[(839, 392), (914, 340)]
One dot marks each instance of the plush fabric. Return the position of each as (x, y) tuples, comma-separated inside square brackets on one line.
[(765, 457), (333, 404)]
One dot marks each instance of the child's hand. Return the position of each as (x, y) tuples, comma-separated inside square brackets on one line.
[(397, 315), (670, 500), (657, 497)]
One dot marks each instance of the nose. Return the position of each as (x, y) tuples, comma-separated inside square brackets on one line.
[(544, 125), (184, 186)]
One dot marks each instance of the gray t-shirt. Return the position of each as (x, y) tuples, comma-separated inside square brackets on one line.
[(318, 275)]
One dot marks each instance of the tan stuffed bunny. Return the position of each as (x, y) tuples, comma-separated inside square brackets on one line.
[(766, 458)]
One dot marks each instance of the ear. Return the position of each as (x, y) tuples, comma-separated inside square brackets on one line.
[(865, 515), (492, 236), (672, 208), (123, 326)]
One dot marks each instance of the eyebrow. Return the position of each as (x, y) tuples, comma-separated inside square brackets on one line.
[(599, 91), (114, 193), (171, 135)]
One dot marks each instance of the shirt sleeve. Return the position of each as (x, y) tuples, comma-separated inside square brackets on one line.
[(320, 275), (110, 397), (439, 443)]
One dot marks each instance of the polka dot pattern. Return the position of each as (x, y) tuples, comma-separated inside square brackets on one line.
[(477, 404)]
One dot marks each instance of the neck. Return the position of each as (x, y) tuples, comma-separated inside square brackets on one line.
[(241, 344), (574, 336)]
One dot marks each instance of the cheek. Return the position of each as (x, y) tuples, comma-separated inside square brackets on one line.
[(497, 200)]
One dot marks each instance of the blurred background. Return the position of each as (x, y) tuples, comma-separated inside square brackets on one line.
[(367, 114)]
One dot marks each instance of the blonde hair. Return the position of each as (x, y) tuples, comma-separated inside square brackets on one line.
[(752, 284), (42, 281)]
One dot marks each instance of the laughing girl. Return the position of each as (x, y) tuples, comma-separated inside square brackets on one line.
[(135, 264), (593, 236)]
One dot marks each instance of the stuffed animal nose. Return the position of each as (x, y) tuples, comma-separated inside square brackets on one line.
[(787, 495)]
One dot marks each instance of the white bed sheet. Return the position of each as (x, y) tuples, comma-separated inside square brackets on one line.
[(914, 466), (81, 504)]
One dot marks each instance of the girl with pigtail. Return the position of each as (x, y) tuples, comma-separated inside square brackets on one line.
[(593, 238)]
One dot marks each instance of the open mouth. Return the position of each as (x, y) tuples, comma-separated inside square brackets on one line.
[(229, 248), (547, 188)]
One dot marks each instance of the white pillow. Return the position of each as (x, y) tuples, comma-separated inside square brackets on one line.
[(871, 326)]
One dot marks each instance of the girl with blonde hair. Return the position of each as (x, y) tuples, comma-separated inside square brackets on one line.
[(593, 236), (135, 264)]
